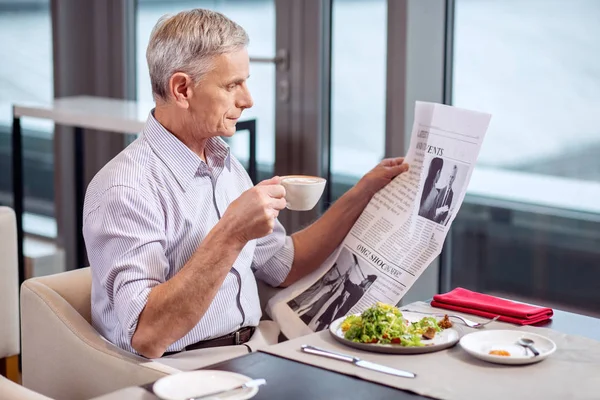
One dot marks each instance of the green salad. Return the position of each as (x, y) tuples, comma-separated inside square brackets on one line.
[(385, 324)]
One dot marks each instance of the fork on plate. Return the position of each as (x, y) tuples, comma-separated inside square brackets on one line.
[(467, 322)]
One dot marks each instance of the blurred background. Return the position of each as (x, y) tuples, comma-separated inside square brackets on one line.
[(530, 225)]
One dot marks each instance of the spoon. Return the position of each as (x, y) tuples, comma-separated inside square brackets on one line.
[(528, 344), (249, 384)]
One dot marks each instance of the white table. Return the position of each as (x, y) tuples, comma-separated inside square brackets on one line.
[(120, 116), (87, 112)]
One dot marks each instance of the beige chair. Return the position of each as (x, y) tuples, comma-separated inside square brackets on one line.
[(9, 295), (9, 311), (64, 357), (13, 391)]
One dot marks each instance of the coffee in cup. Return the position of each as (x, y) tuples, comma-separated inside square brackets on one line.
[(302, 192)]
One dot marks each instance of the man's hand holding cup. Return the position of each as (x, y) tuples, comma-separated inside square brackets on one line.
[(252, 215)]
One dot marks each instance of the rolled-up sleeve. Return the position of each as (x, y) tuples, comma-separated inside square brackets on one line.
[(125, 240), (273, 256)]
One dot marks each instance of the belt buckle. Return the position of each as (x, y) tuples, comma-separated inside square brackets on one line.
[(237, 337)]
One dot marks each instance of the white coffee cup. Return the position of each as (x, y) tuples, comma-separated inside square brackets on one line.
[(302, 192)]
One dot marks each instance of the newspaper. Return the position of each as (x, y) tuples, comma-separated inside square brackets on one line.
[(399, 233)]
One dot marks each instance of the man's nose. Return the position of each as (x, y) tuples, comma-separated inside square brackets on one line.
[(245, 99)]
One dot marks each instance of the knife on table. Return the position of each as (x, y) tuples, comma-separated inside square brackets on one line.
[(357, 361)]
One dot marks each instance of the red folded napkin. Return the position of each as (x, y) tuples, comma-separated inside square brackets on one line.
[(484, 305)]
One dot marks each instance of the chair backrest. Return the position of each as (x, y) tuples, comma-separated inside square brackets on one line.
[(9, 284), (75, 287), (63, 356)]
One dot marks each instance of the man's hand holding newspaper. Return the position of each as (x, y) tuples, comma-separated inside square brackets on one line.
[(400, 232)]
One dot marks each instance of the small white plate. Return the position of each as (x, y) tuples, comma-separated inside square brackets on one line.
[(197, 383), (479, 345), (442, 340)]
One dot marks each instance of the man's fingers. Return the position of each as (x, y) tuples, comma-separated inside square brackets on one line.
[(391, 162), (279, 204), (399, 169), (273, 187), (276, 191), (276, 180)]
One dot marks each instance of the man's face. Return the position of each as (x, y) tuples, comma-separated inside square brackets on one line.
[(221, 95), (452, 177)]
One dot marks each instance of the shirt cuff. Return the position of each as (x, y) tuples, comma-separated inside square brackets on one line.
[(133, 311), (275, 270)]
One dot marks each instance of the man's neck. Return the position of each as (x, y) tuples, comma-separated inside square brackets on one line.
[(177, 126)]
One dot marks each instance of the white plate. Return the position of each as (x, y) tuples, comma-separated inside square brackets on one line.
[(479, 344), (197, 383), (442, 340)]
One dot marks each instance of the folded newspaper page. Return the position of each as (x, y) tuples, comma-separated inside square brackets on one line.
[(400, 232)]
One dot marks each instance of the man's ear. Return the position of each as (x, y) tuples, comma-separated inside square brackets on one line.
[(180, 86)]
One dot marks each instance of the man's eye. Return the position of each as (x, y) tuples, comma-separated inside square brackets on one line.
[(232, 86)]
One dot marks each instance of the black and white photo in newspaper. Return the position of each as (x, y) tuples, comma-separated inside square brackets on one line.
[(333, 295)]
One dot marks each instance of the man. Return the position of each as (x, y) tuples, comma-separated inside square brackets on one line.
[(174, 229), (355, 293), (351, 294), (308, 312), (304, 300), (443, 200)]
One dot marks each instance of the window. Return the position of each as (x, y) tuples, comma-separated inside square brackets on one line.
[(258, 19), (534, 65), (26, 76), (532, 218), (358, 89)]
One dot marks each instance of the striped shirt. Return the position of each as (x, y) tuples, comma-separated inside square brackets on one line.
[(145, 214)]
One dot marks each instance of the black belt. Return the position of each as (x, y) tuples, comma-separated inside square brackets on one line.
[(238, 337)]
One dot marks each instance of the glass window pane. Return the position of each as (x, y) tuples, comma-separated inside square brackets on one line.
[(358, 63), (534, 65), (26, 76), (258, 19), (531, 221)]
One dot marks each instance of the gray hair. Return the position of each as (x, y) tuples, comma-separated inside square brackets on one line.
[(187, 42)]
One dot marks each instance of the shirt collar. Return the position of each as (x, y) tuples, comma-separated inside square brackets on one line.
[(218, 152), (183, 163)]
